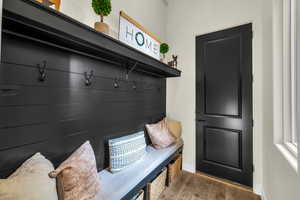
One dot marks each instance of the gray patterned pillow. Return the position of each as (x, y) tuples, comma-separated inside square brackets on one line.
[(126, 150)]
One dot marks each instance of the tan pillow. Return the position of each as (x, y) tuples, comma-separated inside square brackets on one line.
[(30, 181), (77, 177), (175, 128), (160, 135)]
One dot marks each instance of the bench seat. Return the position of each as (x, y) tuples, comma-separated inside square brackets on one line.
[(116, 186)]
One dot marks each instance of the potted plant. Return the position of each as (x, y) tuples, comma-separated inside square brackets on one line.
[(102, 8), (164, 48)]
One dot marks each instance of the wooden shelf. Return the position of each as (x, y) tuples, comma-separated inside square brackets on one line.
[(34, 21)]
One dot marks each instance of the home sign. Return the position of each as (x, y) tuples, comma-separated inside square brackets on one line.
[(136, 36)]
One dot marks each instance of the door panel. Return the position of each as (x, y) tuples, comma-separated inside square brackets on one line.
[(224, 104), (222, 89), (228, 146)]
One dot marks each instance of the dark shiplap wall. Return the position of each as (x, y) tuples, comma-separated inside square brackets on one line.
[(56, 116)]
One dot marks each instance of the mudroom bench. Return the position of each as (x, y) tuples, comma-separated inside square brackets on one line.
[(77, 77), (126, 184)]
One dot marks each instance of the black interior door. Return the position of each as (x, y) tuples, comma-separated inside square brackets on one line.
[(224, 104)]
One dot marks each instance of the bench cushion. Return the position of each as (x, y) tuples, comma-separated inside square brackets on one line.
[(116, 186)]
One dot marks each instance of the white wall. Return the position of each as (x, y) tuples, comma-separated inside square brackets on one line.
[(150, 14), (280, 180), (185, 21), (80, 10)]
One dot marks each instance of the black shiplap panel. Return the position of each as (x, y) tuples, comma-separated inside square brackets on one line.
[(58, 59), (56, 116), (27, 95), (16, 50), (25, 115), (25, 135), (56, 150), (12, 74), (19, 116)]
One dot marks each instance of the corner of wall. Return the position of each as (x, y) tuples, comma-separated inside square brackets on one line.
[(188, 167), (264, 195), (258, 189)]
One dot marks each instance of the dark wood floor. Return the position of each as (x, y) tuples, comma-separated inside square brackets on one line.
[(198, 187)]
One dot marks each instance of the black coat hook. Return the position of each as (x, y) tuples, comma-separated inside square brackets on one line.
[(42, 71), (134, 85), (88, 78), (116, 84)]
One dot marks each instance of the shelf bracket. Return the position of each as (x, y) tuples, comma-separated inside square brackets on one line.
[(130, 70)]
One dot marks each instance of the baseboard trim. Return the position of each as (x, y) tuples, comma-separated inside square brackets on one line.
[(264, 195), (225, 182), (188, 168), (257, 189)]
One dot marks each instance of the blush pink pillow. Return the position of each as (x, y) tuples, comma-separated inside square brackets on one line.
[(160, 135), (77, 177)]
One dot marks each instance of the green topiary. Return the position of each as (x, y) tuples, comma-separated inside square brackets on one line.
[(102, 7), (164, 48)]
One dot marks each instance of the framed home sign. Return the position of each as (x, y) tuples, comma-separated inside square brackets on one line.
[(136, 36)]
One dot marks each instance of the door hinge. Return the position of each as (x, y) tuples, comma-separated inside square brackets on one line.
[(253, 168), (252, 78), (252, 121)]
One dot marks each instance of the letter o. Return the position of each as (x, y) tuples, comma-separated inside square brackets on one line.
[(136, 38)]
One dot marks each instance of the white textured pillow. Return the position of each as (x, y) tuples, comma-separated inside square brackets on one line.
[(30, 181)]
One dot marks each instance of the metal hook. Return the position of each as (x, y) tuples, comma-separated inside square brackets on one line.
[(134, 85), (88, 78), (42, 71), (116, 84)]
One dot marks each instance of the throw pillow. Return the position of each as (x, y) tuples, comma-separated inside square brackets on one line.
[(77, 177), (160, 135), (125, 151), (30, 181)]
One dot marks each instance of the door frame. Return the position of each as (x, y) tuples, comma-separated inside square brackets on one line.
[(228, 30)]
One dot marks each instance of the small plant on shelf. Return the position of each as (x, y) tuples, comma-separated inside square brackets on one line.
[(164, 48), (102, 8)]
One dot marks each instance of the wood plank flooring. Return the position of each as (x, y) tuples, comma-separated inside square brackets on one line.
[(190, 186)]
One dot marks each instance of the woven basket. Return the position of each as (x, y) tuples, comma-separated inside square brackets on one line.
[(157, 186), (174, 169)]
